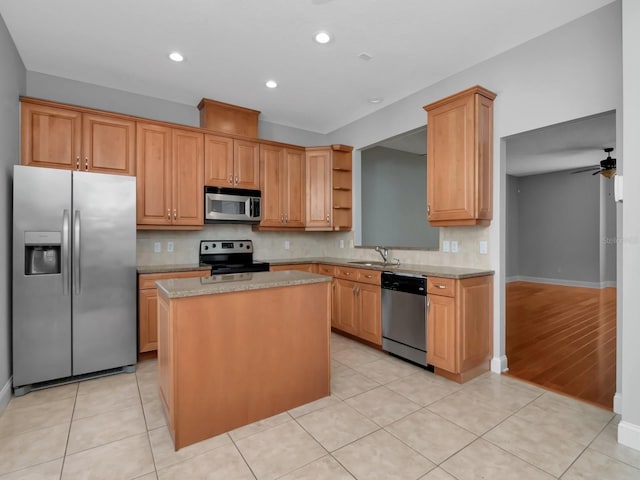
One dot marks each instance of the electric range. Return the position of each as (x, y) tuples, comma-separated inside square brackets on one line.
[(230, 256)]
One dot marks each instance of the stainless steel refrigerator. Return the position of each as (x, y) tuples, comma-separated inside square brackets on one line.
[(74, 274)]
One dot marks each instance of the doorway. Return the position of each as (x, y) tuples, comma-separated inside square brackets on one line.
[(561, 259)]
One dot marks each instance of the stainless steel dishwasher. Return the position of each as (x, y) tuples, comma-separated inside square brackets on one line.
[(404, 305)]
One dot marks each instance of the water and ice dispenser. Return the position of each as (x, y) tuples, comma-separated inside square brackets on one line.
[(42, 253)]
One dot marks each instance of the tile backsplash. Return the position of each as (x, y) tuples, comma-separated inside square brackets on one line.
[(271, 245)]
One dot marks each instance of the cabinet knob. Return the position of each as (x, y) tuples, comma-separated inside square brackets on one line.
[(428, 209), (282, 218), (286, 218), (428, 304), (237, 179), (231, 179)]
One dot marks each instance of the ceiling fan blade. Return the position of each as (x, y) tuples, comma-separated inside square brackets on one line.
[(586, 169)]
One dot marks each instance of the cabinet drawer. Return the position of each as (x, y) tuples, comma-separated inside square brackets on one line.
[(441, 286), (369, 276), (347, 273), (328, 270), (148, 280)]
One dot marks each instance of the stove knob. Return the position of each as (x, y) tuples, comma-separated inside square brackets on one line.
[(240, 245), (206, 247), (213, 245), (248, 247)]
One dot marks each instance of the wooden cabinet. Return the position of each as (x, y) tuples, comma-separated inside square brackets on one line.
[(328, 188), (302, 267), (459, 326), (357, 303), (282, 185), (230, 162), (56, 136), (460, 159), (170, 187), (148, 306)]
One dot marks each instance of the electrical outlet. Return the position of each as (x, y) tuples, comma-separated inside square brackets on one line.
[(351, 243), (169, 246), (445, 246), (341, 243), (454, 246), (484, 247), (286, 244), (157, 247)]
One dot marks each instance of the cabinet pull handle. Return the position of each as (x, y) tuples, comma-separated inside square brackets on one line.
[(286, 218), (438, 285), (327, 218), (347, 273), (282, 218), (428, 209), (175, 214), (86, 163), (369, 276), (78, 163), (428, 304), (237, 179), (169, 214), (231, 179)]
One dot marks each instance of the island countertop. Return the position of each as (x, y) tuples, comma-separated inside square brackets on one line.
[(235, 282)]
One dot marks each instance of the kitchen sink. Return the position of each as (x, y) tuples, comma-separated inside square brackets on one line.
[(369, 263)]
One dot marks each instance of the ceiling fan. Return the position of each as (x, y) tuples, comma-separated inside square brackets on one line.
[(607, 167)]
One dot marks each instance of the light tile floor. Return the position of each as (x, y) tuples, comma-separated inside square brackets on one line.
[(386, 419)]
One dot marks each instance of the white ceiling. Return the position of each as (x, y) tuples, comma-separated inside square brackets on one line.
[(232, 47)]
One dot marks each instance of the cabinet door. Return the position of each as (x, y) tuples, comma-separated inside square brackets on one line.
[(293, 187), (218, 161), (108, 144), (369, 316), (153, 167), (318, 176), (475, 317), (271, 174), (346, 306), (50, 137), (450, 161), (246, 163), (441, 333), (147, 320), (188, 183)]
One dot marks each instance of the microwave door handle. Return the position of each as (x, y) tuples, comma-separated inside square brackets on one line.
[(248, 208)]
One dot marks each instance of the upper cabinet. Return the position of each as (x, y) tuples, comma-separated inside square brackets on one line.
[(58, 137), (282, 186), (328, 188), (170, 184), (230, 162), (460, 158)]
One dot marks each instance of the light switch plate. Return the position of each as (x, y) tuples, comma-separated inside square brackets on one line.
[(157, 247), (286, 244), (484, 247), (445, 246), (341, 243), (169, 246), (454, 246)]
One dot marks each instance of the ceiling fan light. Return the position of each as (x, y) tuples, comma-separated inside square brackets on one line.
[(608, 173)]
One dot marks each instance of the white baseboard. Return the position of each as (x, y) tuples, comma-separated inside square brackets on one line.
[(558, 281), (499, 364), (5, 394), (617, 403), (629, 434)]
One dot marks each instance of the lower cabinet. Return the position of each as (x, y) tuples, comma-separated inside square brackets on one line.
[(459, 326), (357, 303), (303, 267), (148, 306)]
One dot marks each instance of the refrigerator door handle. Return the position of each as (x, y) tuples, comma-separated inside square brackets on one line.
[(76, 253), (65, 252)]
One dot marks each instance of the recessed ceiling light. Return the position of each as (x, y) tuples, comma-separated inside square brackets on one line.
[(375, 100), (176, 56), (271, 84), (322, 37)]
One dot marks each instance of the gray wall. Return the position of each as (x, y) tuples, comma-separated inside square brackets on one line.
[(513, 216), (394, 189), (63, 90), (12, 84), (560, 226)]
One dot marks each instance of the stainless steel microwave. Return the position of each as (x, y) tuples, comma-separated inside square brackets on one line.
[(231, 205)]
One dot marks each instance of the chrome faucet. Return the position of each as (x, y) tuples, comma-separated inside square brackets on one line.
[(384, 253)]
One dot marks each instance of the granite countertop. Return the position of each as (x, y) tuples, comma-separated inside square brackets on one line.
[(183, 267), (236, 282), (428, 270)]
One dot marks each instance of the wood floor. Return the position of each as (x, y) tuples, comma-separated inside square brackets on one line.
[(563, 338)]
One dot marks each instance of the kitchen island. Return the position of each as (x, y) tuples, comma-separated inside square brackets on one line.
[(238, 348)]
